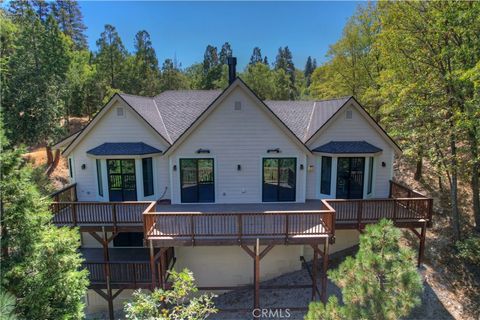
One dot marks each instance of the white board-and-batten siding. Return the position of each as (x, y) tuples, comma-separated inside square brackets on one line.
[(357, 128), (238, 137), (113, 128)]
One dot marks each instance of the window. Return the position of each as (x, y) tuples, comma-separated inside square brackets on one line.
[(99, 177), (197, 180), (120, 112), (70, 167), (370, 176), (349, 114), (128, 239), (122, 185), (279, 179), (326, 175), (147, 168)]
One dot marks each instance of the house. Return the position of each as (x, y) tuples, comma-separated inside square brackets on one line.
[(211, 180)]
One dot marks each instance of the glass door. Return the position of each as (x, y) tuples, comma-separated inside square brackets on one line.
[(279, 179), (122, 185), (197, 180), (350, 175)]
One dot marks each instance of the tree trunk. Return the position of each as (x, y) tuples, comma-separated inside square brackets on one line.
[(454, 188), (48, 149), (418, 171), (475, 181)]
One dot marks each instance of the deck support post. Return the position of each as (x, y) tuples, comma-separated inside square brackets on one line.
[(325, 269), (152, 264), (314, 271), (106, 257), (256, 276), (421, 249)]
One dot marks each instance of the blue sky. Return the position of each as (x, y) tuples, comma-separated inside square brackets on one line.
[(184, 29)]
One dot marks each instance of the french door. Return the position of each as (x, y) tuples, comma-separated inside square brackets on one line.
[(197, 180), (279, 179), (350, 175), (122, 185)]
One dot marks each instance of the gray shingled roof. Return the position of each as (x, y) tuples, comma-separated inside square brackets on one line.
[(123, 149), (171, 113), (347, 147)]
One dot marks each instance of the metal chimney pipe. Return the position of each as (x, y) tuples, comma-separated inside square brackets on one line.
[(232, 69)]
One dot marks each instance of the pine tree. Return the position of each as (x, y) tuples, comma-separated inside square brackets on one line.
[(70, 20), (265, 60), (40, 263), (33, 104), (260, 79), (212, 68), (309, 68), (284, 61), (172, 78), (256, 56), (111, 57), (381, 282), (144, 74), (225, 52)]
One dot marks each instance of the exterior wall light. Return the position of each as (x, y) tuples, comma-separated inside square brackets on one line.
[(84, 166), (174, 167), (203, 151), (277, 150), (301, 167), (384, 164), (239, 167)]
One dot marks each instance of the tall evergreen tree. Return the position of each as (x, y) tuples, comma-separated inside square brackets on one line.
[(70, 20), (33, 105), (144, 75), (110, 58), (265, 60), (40, 262), (172, 78), (225, 52), (256, 56), (381, 282), (284, 61), (212, 68), (309, 68)]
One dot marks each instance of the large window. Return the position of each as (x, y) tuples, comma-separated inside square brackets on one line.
[(279, 179), (99, 178), (147, 169), (197, 180), (326, 175), (370, 176)]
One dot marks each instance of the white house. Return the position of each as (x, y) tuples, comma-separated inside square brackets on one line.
[(228, 151)]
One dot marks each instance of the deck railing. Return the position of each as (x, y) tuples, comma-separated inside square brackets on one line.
[(240, 225), (121, 272), (66, 194), (100, 213)]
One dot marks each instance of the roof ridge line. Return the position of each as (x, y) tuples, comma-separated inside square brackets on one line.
[(161, 119), (310, 120)]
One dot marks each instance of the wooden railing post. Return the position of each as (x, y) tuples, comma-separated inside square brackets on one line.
[(359, 214), (239, 227), (74, 214), (114, 215), (286, 227), (192, 226), (394, 210)]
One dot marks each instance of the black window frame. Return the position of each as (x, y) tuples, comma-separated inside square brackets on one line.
[(326, 180), (370, 175), (99, 177), (198, 198), (70, 167), (147, 175), (278, 199)]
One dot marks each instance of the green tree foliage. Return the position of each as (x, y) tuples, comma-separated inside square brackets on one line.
[(172, 78), (225, 52), (256, 56), (381, 282), (7, 305), (212, 68), (177, 303), (144, 75), (70, 20), (40, 263), (33, 103), (111, 57), (310, 66), (284, 61), (260, 79)]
